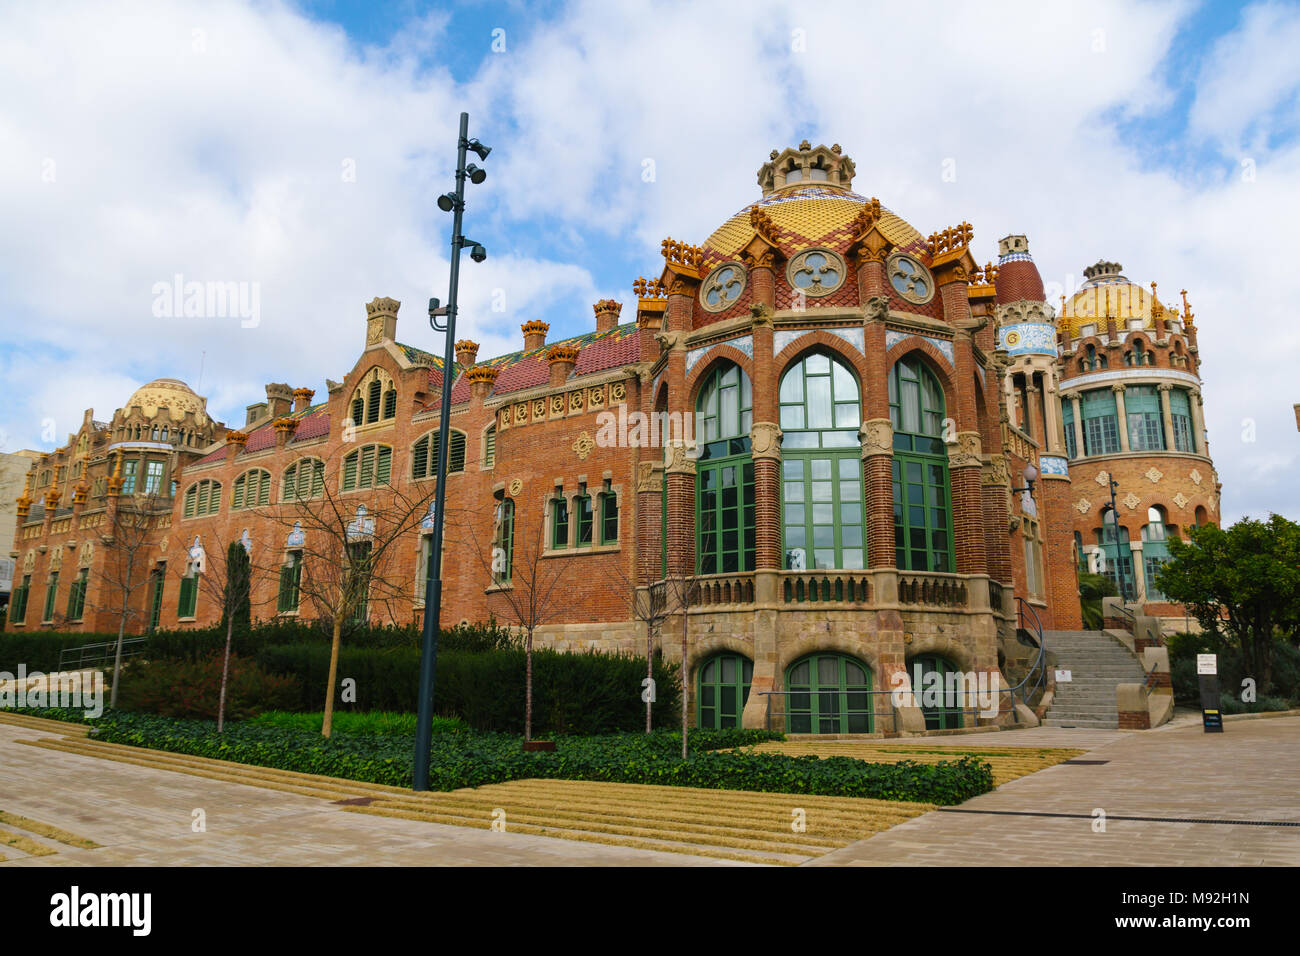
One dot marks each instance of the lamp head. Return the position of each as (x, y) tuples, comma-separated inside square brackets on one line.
[(479, 148), (475, 174), (447, 202)]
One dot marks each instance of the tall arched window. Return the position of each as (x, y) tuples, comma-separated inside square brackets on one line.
[(829, 694), (938, 686), (724, 475), (304, 479), (823, 520), (922, 494), (424, 455), (252, 489), (1155, 550)]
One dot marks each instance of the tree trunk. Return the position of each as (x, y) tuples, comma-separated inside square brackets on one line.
[(649, 670), (328, 723), (685, 622), (225, 673), (117, 660), (528, 687)]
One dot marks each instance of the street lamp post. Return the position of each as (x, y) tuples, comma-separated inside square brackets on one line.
[(1114, 537), (454, 203)]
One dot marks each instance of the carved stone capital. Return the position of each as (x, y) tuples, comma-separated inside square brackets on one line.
[(671, 340), (680, 458), (765, 440), (966, 452), (877, 437), (762, 313), (1165, 387), (996, 472), (648, 479), (1117, 388)]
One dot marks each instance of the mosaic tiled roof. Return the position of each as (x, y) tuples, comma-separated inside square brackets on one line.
[(1018, 279), (419, 356), (313, 422), (806, 216), (611, 348)]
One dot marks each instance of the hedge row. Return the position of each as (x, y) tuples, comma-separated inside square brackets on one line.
[(572, 693), (475, 759), (39, 650)]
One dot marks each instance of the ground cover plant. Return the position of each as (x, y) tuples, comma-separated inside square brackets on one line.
[(716, 759)]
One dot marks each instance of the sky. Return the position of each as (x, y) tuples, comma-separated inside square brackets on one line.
[(297, 149)]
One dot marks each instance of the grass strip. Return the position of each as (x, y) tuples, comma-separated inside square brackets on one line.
[(46, 830), (30, 847)]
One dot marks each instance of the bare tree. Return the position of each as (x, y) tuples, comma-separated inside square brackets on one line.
[(349, 542), (231, 580), (681, 594), (129, 541), (647, 603), (516, 560)]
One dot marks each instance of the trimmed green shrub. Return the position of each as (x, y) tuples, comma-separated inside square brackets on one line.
[(572, 693), (1232, 704), (39, 650), (363, 723), (193, 689), (475, 759)]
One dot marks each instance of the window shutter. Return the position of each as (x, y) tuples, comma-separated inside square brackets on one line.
[(367, 477), (490, 447), (456, 461), (191, 496), (237, 498), (264, 489), (385, 465), (420, 458), (350, 471), (372, 403), (317, 477), (390, 403)]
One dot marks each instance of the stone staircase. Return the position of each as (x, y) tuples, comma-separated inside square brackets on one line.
[(1098, 663)]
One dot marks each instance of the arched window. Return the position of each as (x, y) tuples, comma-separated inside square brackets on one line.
[(1114, 542), (823, 520), (503, 541), (828, 694), (1155, 550), (724, 476), (303, 480), (939, 688), (424, 455), (252, 489), (368, 467), (722, 688), (922, 493), (375, 398), (202, 498)]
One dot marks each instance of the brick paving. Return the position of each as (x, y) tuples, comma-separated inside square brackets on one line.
[(142, 816)]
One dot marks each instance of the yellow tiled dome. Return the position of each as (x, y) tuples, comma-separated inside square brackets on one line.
[(1107, 293), (805, 216), (169, 393)]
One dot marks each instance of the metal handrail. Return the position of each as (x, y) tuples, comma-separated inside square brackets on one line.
[(131, 647)]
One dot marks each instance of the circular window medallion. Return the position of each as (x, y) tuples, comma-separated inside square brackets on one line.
[(816, 272), (722, 287), (910, 279)]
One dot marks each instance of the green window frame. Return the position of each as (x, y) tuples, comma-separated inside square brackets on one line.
[(252, 489), (153, 477), (424, 455), (358, 411), (823, 513), (290, 580), (303, 480), (390, 404), (358, 579), (1067, 423), (51, 590), (1119, 556), (608, 518), (18, 603), (368, 467), (829, 694), (157, 576), (1145, 425), (947, 714), (1100, 422), (559, 522), (725, 514), (202, 498), (722, 686), (503, 542), (77, 595), (1155, 551), (373, 394), (922, 490), (188, 600), (490, 446), (128, 476), (586, 519), (1180, 414)]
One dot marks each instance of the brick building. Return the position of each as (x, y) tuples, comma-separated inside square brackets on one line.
[(845, 437)]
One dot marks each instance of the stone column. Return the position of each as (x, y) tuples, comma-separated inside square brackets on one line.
[(1198, 423), (877, 435), (679, 473), (964, 466), (765, 441), (1051, 397), (1139, 571), (1034, 412), (1121, 417), (1164, 388), (1078, 424)]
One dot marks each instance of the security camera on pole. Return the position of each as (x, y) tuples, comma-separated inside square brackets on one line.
[(453, 203)]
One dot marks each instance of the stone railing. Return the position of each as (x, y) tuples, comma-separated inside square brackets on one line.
[(723, 589), (995, 596), (931, 590), (824, 587)]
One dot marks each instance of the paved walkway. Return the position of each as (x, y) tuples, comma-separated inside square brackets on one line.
[(1249, 772), (142, 816)]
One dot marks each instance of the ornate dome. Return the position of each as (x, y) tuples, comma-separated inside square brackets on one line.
[(806, 193), (171, 394), (1017, 277), (1106, 292)]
